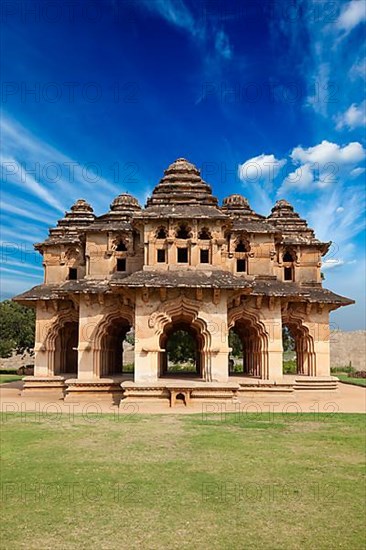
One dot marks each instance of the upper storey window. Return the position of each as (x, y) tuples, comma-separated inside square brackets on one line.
[(204, 256), (288, 269), (121, 264), (183, 232), (161, 256), (182, 255), (161, 233), (288, 256), (73, 274), (242, 246), (121, 247), (204, 234)]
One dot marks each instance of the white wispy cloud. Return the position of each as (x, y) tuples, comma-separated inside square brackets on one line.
[(27, 210), (358, 69), (222, 45), (30, 163), (258, 175), (323, 165), (263, 167), (176, 13), (15, 174), (352, 14), (353, 117), (19, 272), (202, 31), (25, 265), (18, 237)]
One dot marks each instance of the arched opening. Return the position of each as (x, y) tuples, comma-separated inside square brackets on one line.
[(289, 258), (247, 350), (66, 349), (204, 234), (121, 247), (298, 353), (182, 355), (183, 232), (116, 350), (242, 248), (161, 233)]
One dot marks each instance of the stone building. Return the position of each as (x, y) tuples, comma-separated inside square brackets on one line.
[(181, 263)]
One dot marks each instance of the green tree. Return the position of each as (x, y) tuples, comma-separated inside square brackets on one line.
[(287, 339), (17, 328), (181, 347), (235, 344)]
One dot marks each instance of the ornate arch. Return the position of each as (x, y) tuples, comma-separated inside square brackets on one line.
[(101, 331), (184, 309), (257, 355), (64, 316), (304, 342), (242, 241)]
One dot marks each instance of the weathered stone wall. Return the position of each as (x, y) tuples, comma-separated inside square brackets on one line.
[(348, 347)]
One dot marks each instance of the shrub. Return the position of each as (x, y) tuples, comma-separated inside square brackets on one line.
[(348, 369), (17, 327), (289, 367)]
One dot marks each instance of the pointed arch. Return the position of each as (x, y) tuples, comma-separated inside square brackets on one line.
[(254, 337), (107, 339), (184, 312), (60, 340), (304, 343)]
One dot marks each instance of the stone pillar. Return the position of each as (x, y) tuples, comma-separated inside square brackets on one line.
[(321, 335), (272, 362), (44, 320), (146, 341), (215, 315), (90, 316)]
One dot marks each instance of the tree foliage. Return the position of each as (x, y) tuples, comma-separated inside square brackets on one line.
[(235, 344), (181, 347), (287, 339), (17, 328)]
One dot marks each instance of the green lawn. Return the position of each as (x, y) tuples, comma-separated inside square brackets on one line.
[(4, 378), (349, 380), (182, 482)]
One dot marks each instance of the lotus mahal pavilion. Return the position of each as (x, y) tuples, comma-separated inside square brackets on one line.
[(181, 263)]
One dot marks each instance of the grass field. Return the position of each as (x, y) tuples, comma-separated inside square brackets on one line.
[(158, 482), (349, 380), (5, 378)]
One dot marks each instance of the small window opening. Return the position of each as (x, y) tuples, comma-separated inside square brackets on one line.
[(121, 264), (204, 256), (161, 256), (288, 274), (241, 266), (73, 274), (182, 255)]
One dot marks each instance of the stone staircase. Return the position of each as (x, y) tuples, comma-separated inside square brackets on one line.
[(329, 383)]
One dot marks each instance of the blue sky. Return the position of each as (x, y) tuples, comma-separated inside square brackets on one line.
[(267, 98)]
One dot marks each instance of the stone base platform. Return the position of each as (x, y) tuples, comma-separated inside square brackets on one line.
[(91, 390), (174, 390), (326, 383), (177, 390), (45, 386)]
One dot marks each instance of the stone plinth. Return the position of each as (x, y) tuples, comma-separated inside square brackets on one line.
[(44, 386), (96, 389)]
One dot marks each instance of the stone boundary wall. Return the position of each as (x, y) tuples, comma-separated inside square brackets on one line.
[(348, 348)]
